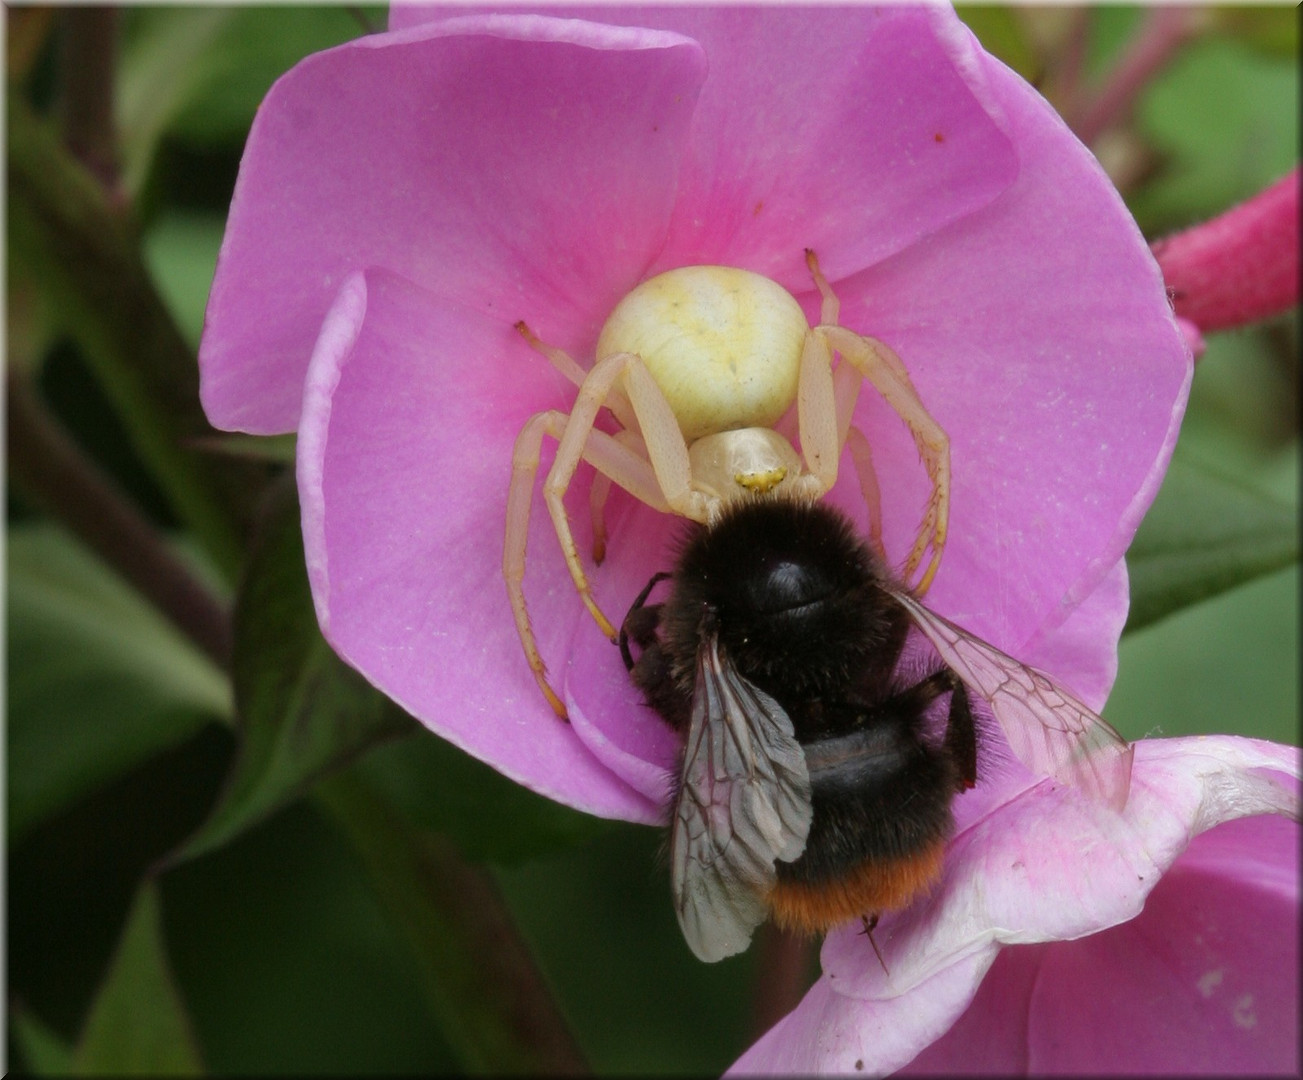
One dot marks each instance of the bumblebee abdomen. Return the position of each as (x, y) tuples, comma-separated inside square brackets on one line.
[(882, 816), (869, 888)]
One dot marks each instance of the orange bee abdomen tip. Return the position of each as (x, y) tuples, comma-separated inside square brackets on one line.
[(873, 886)]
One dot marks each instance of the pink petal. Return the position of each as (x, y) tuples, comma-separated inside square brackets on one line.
[(1046, 866), (1203, 981), (831, 1033), (404, 459), (523, 166), (1082, 650), (855, 131), (1038, 334)]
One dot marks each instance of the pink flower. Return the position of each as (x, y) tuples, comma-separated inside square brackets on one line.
[(1146, 943), (406, 198)]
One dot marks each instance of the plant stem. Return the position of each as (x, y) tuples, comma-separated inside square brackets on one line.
[(88, 59), (784, 965), (1165, 31), (46, 464), (492, 1003), (83, 256)]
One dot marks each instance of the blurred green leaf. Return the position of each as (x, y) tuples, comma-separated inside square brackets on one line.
[(168, 56), (98, 681), (608, 905), (1226, 666), (438, 786), (137, 1024), (494, 1007), (200, 73), (43, 1051), (272, 449), (1203, 535), (302, 711), (1206, 115), (79, 248), (1270, 29), (1112, 28), (998, 28), (255, 48), (288, 964), (180, 253)]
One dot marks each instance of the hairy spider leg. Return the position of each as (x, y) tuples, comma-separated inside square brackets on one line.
[(600, 491), (611, 458), (566, 365), (601, 487), (878, 364), (661, 481), (862, 458)]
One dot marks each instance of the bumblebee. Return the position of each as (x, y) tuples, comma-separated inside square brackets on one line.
[(820, 765)]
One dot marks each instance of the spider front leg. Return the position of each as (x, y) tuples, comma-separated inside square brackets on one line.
[(825, 402), (601, 491), (884, 369), (612, 459)]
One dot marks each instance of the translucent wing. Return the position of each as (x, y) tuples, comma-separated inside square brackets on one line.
[(744, 804), (1048, 729)]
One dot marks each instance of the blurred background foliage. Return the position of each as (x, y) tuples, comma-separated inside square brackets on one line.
[(233, 856)]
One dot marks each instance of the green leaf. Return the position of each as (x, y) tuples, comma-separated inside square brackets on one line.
[(1270, 29), (138, 1024), (1002, 35), (1204, 534), (257, 46), (1225, 118), (1227, 666), (98, 681), (199, 73), (493, 1005), (168, 56), (43, 1051), (180, 252), (302, 711), (269, 449), (487, 816), (77, 246)]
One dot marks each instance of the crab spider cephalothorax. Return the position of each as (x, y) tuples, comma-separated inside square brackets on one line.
[(697, 365)]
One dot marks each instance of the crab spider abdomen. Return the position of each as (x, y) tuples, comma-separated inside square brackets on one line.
[(724, 345)]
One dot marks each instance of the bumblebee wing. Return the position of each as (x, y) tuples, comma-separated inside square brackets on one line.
[(743, 804), (1048, 728)]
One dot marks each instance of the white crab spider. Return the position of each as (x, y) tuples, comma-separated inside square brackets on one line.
[(697, 365)]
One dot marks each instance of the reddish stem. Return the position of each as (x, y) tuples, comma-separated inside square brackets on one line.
[(1163, 33), (784, 971), (1240, 267)]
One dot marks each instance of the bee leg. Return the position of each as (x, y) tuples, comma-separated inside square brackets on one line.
[(642, 622), (869, 922), (961, 734)]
